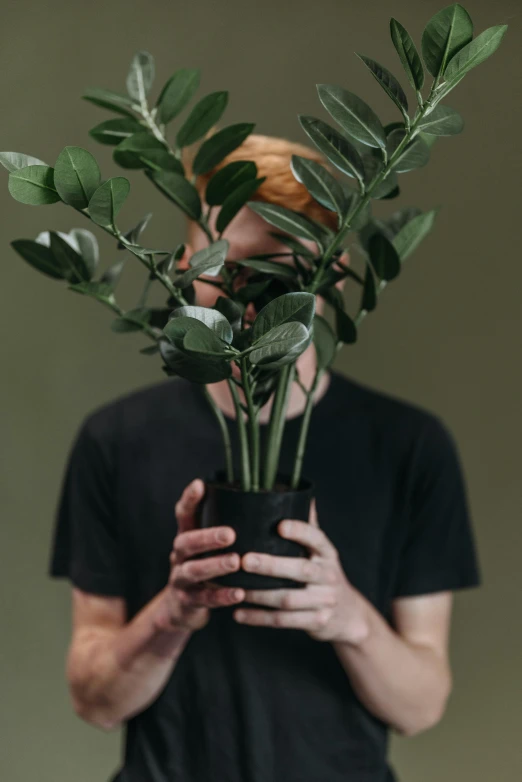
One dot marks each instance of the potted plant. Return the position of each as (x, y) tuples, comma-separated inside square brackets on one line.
[(363, 159)]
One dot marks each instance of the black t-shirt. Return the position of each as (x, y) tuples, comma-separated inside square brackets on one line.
[(255, 704)]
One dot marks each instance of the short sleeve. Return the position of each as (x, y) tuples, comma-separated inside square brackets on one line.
[(439, 551), (86, 546)]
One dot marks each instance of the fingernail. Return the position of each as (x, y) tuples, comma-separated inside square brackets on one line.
[(252, 561), (231, 561), (222, 537)]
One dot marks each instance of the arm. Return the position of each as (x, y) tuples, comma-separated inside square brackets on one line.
[(115, 668), (401, 675)]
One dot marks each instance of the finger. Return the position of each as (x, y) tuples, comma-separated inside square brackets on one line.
[(186, 505), (315, 596), (195, 541), (193, 571), (312, 518), (302, 620), (298, 568), (210, 597), (310, 536)]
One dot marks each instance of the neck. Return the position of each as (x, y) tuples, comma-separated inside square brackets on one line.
[(306, 365)]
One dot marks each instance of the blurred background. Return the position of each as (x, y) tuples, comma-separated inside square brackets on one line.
[(447, 336)]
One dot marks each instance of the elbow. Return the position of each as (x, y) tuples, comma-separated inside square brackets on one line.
[(93, 713), (429, 716)]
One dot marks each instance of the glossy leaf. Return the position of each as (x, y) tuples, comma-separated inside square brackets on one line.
[(33, 185), (384, 188), (87, 246), (415, 155), (113, 274), (398, 220), (113, 131), (76, 176), (235, 201), (384, 257), (294, 245), (129, 151), (269, 267), (97, 290), (411, 235), (210, 318), (39, 256), (345, 327), (442, 121), (209, 260), (219, 145), (231, 311), (287, 220), (12, 161), (475, 52), (335, 147), (108, 99), (108, 199), (324, 342), (298, 306), (204, 340), (388, 82), (353, 115), (227, 179), (281, 345), (134, 234), (177, 93), (445, 34), (408, 54), (369, 293), (179, 190), (132, 320), (321, 185), (202, 118), (141, 76), (74, 268), (195, 370)]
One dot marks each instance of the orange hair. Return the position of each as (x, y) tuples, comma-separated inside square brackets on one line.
[(272, 157)]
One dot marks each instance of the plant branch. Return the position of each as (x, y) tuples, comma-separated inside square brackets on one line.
[(224, 433), (243, 438)]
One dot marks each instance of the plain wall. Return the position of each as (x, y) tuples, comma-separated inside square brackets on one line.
[(446, 335)]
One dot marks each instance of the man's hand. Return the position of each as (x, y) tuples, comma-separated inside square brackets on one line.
[(189, 596), (328, 608)]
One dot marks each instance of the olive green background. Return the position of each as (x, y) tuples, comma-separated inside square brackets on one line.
[(446, 335)]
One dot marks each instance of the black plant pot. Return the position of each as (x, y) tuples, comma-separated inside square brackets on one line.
[(254, 516)]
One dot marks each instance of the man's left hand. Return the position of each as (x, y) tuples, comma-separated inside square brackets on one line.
[(328, 608)]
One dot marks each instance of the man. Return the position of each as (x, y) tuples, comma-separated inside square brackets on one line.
[(305, 686)]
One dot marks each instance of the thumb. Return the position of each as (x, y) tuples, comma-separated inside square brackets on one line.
[(187, 504)]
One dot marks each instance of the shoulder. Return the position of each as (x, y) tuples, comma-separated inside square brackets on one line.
[(140, 408)]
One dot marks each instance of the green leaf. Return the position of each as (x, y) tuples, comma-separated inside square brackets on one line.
[(409, 57), (12, 161), (445, 34), (475, 52), (442, 121), (345, 327), (76, 176), (179, 190), (353, 115), (134, 234), (210, 318), (209, 260), (324, 342), (141, 76), (219, 145), (209, 370), (87, 245), (73, 265), (231, 311), (269, 267), (39, 256), (384, 257), (108, 199), (33, 185), (384, 188), (281, 345), (296, 306), (108, 99), (339, 151), (369, 293), (150, 350), (161, 160), (393, 224), (411, 235), (201, 119), (428, 139), (388, 82), (415, 155), (129, 151), (177, 93), (97, 290), (321, 185), (227, 179), (294, 245), (288, 220), (112, 275), (132, 320), (235, 201), (113, 131), (203, 340)]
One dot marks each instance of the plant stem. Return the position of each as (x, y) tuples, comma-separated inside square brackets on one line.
[(243, 438), (253, 425), (224, 433), (303, 433), (277, 424)]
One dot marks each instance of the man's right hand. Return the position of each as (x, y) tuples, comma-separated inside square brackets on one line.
[(189, 596)]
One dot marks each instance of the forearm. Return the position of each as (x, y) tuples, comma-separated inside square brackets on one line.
[(404, 684), (115, 674)]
